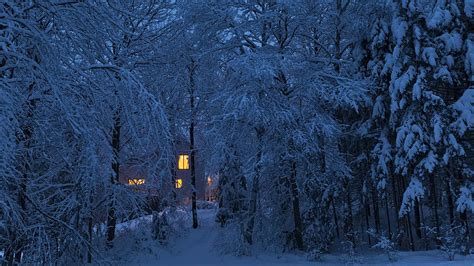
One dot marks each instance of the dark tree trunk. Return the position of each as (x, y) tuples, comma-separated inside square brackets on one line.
[(416, 209), (466, 238), (367, 223), (336, 220), (435, 208), (296, 208), (348, 223), (388, 218), (248, 234), (89, 235), (396, 203), (410, 233), (449, 195), (375, 201), (114, 179), (89, 229), (192, 87), (407, 219), (193, 171)]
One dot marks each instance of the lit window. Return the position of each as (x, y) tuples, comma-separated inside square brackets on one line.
[(183, 162), (178, 183), (136, 181), (209, 181)]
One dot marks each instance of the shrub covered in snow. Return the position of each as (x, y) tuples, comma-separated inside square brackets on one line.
[(386, 244)]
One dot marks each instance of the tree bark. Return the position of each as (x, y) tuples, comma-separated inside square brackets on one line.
[(89, 235), (435, 207), (375, 201), (396, 203), (388, 218), (367, 223), (248, 234), (450, 202), (114, 179), (407, 219), (336, 220), (416, 209), (296, 208), (348, 223), (89, 228), (410, 233), (192, 84), (465, 237)]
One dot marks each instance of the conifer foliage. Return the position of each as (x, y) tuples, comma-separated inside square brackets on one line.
[(327, 124)]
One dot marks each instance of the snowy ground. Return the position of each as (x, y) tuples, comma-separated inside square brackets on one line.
[(197, 247)]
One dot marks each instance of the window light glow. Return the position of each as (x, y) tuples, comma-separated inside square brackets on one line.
[(183, 162), (178, 183), (209, 181), (136, 181)]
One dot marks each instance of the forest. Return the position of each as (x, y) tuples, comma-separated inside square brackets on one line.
[(329, 127)]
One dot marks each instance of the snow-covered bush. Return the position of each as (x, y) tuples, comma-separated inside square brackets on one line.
[(230, 240), (319, 232), (177, 218), (451, 241), (222, 216), (314, 255), (384, 243), (171, 222), (160, 228), (350, 257)]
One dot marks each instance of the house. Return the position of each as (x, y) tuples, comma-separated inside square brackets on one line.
[(182, 174), (135, 176)]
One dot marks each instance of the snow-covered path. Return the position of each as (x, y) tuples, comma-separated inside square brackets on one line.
[(197, 247)]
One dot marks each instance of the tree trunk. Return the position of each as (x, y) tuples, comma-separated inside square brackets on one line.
[(89, 235), (410, 233), (193, 170), (248, 234), (114, 179), (435, 207), (348, 223), (416, 209), (449, 194), (375, 201), (296, 207), (465, 236), (336, 221), (407, 223), (367, 223), (89, 228), (192, 85), (388, 218), (396, 203)]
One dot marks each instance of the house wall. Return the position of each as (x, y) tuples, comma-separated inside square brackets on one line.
[(184, 193)]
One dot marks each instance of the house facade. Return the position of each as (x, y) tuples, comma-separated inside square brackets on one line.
[(136, 177), (182, 175)]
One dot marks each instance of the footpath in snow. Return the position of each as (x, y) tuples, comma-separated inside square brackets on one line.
[(197, 247)]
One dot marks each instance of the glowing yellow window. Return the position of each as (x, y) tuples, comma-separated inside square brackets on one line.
[(209, 181), (183, 162), (178, 183), (136, 181)]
